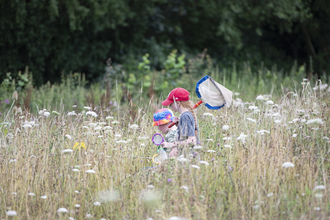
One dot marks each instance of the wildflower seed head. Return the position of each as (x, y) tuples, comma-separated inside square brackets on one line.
[(15, 95)]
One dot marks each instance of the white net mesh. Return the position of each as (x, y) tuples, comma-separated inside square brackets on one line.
[(158, 139), (215, 94)]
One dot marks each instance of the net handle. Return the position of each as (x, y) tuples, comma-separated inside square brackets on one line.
[(195, 106)]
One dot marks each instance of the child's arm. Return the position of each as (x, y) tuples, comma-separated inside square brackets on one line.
[(190, 140)]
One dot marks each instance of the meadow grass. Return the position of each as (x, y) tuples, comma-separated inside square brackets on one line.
[(95, 164)]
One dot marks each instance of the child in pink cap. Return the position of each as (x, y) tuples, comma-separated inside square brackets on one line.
[(163, 118)]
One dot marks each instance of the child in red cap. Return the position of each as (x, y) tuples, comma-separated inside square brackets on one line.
[(179, 101)]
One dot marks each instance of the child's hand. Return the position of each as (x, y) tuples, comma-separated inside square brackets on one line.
[(167, 145), (175, 119), (174, 152)]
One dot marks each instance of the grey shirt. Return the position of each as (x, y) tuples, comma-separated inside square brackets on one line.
[(186, 127)]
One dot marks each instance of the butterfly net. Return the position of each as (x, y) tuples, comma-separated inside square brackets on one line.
[(213, 94)]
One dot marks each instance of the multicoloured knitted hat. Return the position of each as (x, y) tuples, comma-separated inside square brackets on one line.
[(163, 116)]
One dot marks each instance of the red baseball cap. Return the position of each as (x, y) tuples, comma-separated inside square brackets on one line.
[(179, 94)]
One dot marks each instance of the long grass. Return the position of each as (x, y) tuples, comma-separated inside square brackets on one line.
[(243, 177)]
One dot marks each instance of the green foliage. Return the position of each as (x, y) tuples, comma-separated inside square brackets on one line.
[(57, 37)]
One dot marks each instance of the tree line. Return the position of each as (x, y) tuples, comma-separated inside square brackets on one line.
[(54, 37)]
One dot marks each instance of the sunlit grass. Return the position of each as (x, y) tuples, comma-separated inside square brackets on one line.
[(263, 159)]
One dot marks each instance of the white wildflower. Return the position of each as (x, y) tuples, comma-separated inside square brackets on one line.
[(77, 205), (262, 132), (41, 112), (318, 195), (118, 135), (195, 166), (150, 187), (92, 124), (208, 140), (317, 208), (31, 194), (97, 128), (12, 160), (27, 126), (89, 216), (76, 191), (142, 145), (276, 114), (121, 142), (43, 197), (250, 119), (134, 126), (227, 146), (90, 171), (109, 117), (253, 107), (294, 135), (226, 138), (68, 136), (88, 108), (67, 151), (323, 86), (177, 218), (204, 162), (319, 187), (85, 127), (260, 97), (242, 137), (277, 121), (270, 194), (11, 213), (182, 159), (70, 218), (287, 165), (107, 128), (211, 151), (97, 203), (46, 114), (62, 210), (236, 93), (198, 147), (91, 113), (75, 170), (325, 138), (269, 102), (225, 127), (316, 121), (208, 114), (115, 122), (184, 187), (143, 138)]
